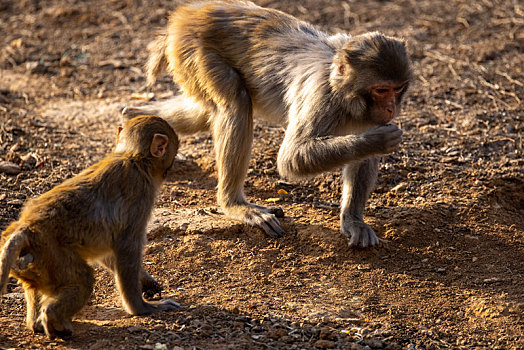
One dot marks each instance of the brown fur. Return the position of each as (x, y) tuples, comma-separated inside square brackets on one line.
[(99, 215), (234, 59)]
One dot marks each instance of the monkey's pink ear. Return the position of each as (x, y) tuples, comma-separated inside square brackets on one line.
[(342, 63), (159, 145)]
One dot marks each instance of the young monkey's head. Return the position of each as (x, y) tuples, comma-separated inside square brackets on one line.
[(150, 137)]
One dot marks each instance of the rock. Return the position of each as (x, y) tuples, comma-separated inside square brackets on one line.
[(393, 346), (400, 187), (324, 344), (328, 333), (135, 329), (101, 344), (276, 333), (374, 343), (36, 67), (12, 155), (511, 129), (16, 202), (287, 339), (9, 168), (355, 346)]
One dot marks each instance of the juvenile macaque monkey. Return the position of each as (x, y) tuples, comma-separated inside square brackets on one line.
[(99, 215), (336, 94)]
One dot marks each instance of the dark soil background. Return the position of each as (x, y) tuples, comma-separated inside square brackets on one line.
[(449, 206)]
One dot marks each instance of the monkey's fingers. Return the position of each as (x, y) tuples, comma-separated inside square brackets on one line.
[(361, 235), (53, 326), (259, 216), (167, 304), (277, 211), (272, 227), (150, 288), (363, 239)]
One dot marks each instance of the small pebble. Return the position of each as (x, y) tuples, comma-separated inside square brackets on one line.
[(9, 168)]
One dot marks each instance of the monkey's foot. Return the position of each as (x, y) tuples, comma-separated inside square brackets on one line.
[(163, 305), (361, 235), (53, 326), (256, 215)]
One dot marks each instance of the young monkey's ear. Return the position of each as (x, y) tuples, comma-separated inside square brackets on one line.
[(159, 145)]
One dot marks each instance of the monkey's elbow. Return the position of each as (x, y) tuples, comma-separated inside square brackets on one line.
[(288, 172), (295, 165)]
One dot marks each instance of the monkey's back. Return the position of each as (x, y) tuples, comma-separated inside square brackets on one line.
[(90, 207), (265, 47)]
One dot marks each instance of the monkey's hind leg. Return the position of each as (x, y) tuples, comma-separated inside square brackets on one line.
[(359, 180), (233, 136), (76, 281), (183, 113)]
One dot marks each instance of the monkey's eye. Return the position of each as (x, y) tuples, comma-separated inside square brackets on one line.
[(381, 91)]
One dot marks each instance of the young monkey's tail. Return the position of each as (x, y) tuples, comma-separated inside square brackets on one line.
[(157, 61), (9, 253)]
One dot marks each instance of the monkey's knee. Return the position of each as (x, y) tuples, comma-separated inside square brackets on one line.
[(22, 263)]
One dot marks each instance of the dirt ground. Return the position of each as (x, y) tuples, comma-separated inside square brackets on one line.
[(449, 205)]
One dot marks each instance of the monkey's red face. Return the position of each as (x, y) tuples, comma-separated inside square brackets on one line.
[(386, 101)]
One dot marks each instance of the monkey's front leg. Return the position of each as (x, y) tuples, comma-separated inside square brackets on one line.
[(359, 179), (128, 273), (150, 286)]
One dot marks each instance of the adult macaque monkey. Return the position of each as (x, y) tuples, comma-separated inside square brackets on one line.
[(336, 94), (100, 215)]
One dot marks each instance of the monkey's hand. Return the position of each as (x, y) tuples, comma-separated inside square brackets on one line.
[(256, 215), (383, 139), (150, 286), (54, 325), (361, 235)]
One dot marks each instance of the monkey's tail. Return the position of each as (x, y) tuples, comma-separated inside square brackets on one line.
[(10, 252), (157, 61)]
